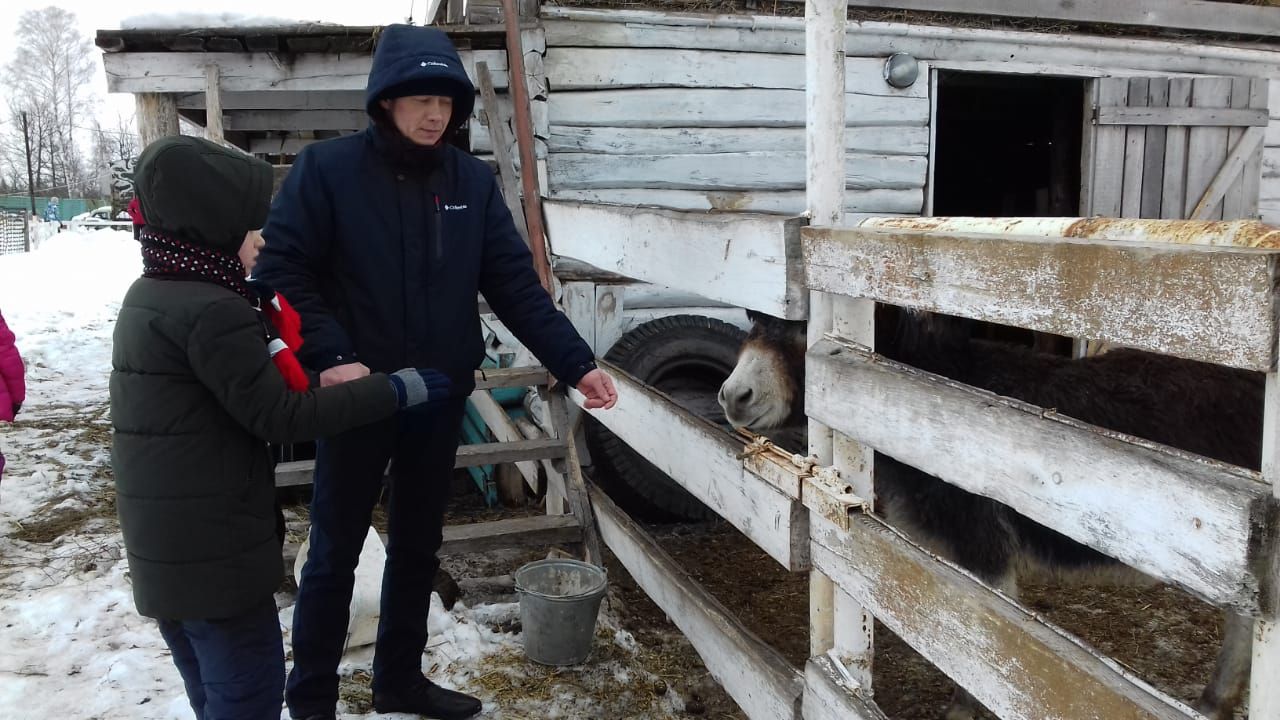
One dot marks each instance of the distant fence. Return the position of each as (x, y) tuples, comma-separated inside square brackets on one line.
[(67, 207), (14, 227)]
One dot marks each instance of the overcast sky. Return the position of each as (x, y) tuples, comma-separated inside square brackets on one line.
[(97, 15)]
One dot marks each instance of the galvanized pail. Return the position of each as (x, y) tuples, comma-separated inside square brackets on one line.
[(559, 601)]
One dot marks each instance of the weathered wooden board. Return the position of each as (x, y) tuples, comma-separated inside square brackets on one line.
[(614, 68), (1242, 196), (213, 93), (755, 675), (504, 430), (1214, 304), (743, 259), (1183, 15), (1273, 133), (1135, 149), (704, 460), (246, 72), (1269, 211), (1015, 664), (300, 472), (502, 452), (1271, 164), (489, 378), (636, 28), (1174, 190), (1203, 525), (1227, 187), (478, 125), (1206, 145), (720, 107), (280, 100), (290, 145), (692, 140), (511, 533), (728, 171), (827, 695), (1210, 116), (793, 202), (1105, 181), (258, 120), (1153, 153), (1264, 693)]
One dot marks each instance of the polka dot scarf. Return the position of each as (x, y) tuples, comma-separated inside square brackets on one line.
[(170, 258)]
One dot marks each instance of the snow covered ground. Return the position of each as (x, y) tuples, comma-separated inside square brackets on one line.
[(71, 645)]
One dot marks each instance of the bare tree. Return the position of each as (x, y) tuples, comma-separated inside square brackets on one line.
[(49, 80)]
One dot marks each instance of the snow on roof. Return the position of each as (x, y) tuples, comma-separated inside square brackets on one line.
[(191, 20)]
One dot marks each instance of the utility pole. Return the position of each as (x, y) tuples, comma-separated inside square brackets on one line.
[(31, 186), (31, 181)]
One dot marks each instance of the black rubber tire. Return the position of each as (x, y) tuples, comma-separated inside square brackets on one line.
[(688, 357)]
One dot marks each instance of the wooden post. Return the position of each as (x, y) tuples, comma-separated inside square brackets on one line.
[(836, 622), (575, 488), (213, 103), (824, 155), (501, 143), (157, 116), (524, 138), (1264, 691), (455, 12), (31, 182)]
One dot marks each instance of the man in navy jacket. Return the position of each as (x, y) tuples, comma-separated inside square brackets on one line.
[(381, 240)]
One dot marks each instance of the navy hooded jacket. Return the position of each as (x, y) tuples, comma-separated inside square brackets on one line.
[(384, 263)]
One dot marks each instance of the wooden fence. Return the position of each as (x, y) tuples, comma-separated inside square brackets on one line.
[(1202, 525)]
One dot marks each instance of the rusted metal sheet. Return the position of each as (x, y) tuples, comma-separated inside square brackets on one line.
[(1239, 233)]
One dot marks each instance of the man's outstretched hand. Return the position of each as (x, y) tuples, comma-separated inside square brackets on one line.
[(598, 389)]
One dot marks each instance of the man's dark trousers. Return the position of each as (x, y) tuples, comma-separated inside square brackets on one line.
[(421, 447)]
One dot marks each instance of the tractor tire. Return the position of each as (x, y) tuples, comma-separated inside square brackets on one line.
[(687, 357)]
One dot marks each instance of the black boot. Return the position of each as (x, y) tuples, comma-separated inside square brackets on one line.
[(425, 698)]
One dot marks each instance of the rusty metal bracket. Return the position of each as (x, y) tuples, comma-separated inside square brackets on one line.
[(826, 493), (761, 445), (820, 488)]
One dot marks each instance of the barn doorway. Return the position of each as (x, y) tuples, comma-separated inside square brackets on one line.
[(1009, 146)]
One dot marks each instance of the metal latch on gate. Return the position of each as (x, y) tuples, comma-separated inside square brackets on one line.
[(827, 494)]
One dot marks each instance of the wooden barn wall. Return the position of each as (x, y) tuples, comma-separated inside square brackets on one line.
[(1269, 199), (697, 128), (701, 112)]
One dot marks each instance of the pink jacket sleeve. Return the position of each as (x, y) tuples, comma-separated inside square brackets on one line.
[(12, 372)]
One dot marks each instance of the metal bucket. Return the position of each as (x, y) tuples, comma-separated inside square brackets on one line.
[(559, 601)]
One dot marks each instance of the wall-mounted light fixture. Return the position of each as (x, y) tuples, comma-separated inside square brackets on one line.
[(901, 70)]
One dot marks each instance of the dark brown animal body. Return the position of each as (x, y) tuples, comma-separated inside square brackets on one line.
[(1205, 409)]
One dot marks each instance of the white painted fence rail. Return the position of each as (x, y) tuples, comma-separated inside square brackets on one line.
[(755, 675), (709, 463), (1203, 525), (1012, 661), (1214, 304), (743, 259)]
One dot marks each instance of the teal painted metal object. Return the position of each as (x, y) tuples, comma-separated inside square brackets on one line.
[(475, 432)]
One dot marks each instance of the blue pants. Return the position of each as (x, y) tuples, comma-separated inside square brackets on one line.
[(233, 668), (420, 447)]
